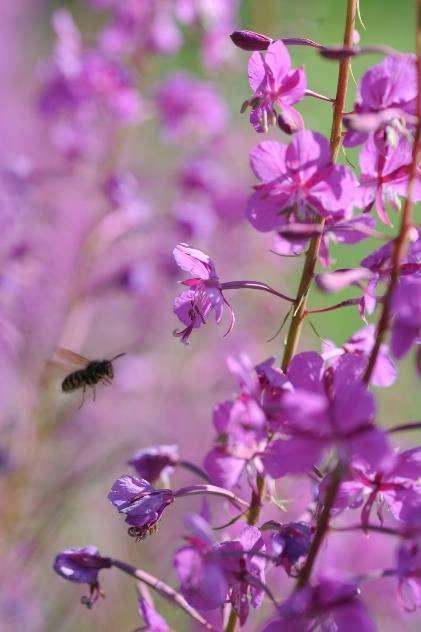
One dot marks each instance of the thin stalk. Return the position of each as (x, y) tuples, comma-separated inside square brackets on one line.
[(307, 275), (163, 589), (411, 425), (322, 527), (254, 285), (402, 240)]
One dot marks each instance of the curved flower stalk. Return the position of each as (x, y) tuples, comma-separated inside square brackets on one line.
[(205, 295)]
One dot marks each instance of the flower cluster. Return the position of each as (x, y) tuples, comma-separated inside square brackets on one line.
[(306, 434)]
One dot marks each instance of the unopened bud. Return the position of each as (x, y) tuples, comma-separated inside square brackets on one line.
[(249, 40)]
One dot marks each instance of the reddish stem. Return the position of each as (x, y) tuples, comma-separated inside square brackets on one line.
[(402, 240)]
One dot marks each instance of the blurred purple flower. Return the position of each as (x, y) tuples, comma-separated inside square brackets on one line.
[(408, 558), (329, 407), (83, 90), (140, 28), (154, 462), (385, 176), (140, 503), (153, 621), (209, 573), (187, 106), (379, 262), (298, 183), (202, 578), (82, 566), (385, 102), (274, 82), (329, 605), (396, 487), (360, 344), (290, 542), (194, 218), (406, 309)]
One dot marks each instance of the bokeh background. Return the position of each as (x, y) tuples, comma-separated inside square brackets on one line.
[(74, 274)]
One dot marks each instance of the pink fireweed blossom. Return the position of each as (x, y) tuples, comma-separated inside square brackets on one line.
[(360, 344), (187, 106), (205, 295), (298, 182), (140, 28), (212, 573), (82, 91), (328, 408), (385, 103), (328, 605), (293, 238), (274, 82), (243, 423), (385, 176), (395, 487)]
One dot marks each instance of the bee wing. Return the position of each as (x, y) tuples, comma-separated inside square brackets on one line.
[(65, 356)]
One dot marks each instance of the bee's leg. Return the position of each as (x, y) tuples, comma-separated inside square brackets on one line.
[(83, 396), (93, 393)]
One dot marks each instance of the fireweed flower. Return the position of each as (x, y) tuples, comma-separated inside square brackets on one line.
[(242, 423), (154, 462), (406, 306), (384, 176), (298, 183), (360, 344), (329, 605), (202, 579), (293, 238), (82, 566), (140, 503), (193, 306), (275, 83), (408, 558), (187, 106), (82, 91), (375, 268), (140, 28), (385, 104), (215, 20), (290, 542), (395, 487), (153, 621), (329, 407), (210, 573)]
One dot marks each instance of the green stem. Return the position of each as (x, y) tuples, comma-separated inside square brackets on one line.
[(300, 311)]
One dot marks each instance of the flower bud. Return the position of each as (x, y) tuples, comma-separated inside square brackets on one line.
[(249, 40)]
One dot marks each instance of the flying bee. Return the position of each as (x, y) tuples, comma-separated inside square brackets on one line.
[(92, 373)]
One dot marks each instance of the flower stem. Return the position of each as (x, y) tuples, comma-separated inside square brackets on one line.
[(213, 490), (252, 517), (307, 275), (163, 589), (402, 240), (321, 528), (412, 425), (254, 285)]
